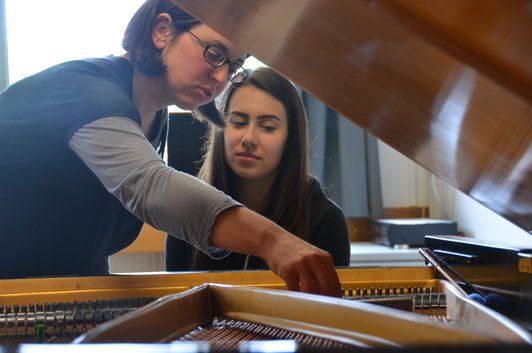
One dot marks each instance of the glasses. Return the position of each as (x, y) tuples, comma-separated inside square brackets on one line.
[(216, 57)]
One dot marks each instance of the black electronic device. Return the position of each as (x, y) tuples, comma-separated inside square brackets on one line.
[(408, 231)]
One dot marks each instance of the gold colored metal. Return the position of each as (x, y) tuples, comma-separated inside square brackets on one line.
[(525, 263)]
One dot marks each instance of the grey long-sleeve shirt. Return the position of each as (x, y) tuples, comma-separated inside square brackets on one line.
[(169, 200)]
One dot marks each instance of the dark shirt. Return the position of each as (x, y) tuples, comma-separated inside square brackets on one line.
[(328, 231), (56, 218)]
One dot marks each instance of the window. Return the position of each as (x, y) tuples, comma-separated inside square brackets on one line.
[(44, 33)]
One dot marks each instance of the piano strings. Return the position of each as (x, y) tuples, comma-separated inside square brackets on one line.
[(62, 322)]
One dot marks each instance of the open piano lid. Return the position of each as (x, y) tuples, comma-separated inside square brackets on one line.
[(446, 83)]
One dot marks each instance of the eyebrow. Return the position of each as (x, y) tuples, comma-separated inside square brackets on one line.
[(261, 117)]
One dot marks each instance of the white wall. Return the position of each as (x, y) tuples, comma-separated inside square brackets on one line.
[(3, 48), (480, 222), (406, 184)]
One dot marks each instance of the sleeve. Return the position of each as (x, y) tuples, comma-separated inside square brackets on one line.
[(330, 233), (117, 152)]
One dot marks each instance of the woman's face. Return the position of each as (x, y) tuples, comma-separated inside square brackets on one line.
[(255, 135), (191, 81)]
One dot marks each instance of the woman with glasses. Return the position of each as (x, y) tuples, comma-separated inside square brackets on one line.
[(261, 159), (80, 170)]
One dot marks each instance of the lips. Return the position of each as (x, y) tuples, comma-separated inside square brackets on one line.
[(206, 92), (247, 156)]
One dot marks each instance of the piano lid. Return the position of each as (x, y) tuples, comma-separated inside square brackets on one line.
[(446, 83)]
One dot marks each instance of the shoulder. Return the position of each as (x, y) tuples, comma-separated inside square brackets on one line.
[(75, 93), (96, 75), (324, 212), (79, 76), (96, 87), (320, 202), (109, 67), (328, 226)]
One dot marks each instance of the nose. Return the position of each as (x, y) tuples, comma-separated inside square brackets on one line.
[(220, 74), (249, 139)]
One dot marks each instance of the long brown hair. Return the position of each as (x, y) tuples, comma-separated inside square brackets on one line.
[(146, 58), (289, 197)]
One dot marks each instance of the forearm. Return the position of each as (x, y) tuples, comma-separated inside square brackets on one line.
[(301, 265), (242, 230)]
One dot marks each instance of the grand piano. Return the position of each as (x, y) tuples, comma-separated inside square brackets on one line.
[(446, 83)]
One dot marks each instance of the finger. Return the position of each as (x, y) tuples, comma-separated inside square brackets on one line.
[(327, 278), (309, 283), (330, 284), (292, 283)]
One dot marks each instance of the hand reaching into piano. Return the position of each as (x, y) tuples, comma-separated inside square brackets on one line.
[(301, 265)]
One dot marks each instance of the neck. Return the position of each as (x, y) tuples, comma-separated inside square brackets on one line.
[(148, 97), (255, 194)]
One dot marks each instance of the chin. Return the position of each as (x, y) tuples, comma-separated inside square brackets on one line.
[(246, 176), (187, 104)]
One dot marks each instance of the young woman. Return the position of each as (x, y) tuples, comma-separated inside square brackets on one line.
[(80, 174), (261, 159)]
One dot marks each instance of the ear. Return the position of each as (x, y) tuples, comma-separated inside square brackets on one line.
[(162, 33)]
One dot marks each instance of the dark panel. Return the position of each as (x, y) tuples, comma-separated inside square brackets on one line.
[(185, 142)]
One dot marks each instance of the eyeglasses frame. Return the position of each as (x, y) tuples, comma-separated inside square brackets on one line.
[(240, 72)]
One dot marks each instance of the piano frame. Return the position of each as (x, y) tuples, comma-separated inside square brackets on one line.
[(69, 289)]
